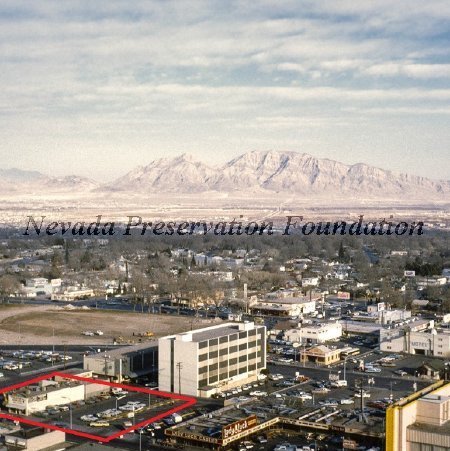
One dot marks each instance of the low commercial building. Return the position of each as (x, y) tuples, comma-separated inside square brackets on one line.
[(320, 355), (204, 361), (285, 306), (70, 295), (128, 362), (314, 333), (431, 342), (35, 439), (420, 421), (36, 398)]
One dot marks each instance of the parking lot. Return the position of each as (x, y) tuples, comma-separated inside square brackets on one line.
[(106, 414)]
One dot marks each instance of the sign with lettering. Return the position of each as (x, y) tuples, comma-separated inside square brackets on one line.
[(343, 295), (239, 426)]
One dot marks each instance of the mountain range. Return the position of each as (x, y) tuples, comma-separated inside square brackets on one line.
[(256, 172)]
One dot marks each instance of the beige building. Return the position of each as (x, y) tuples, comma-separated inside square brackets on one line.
[(204, 361), (284, 306), (431, 342), (35, 439), (420, 422), (320, 355)]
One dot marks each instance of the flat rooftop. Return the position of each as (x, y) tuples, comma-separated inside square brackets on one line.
[(209, 333), (288, 300)]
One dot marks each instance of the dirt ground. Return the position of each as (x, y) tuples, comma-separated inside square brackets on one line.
[(38, 325)]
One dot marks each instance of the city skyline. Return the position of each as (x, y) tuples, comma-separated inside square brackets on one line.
[(97, 90)]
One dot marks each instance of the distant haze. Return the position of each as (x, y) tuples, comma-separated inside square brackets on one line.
[(258, 172)]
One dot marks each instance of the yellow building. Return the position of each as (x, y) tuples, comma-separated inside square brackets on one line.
[(420, 422)]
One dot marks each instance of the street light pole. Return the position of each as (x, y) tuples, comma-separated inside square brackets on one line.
[(70, 409), (180, 367), (345, 366)]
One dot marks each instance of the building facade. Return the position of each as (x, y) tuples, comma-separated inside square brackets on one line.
[(420, 422), (430, 343), (128, 362), (202, 362), (314, 333)]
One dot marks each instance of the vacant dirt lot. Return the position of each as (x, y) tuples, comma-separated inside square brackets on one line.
[(37, 324)]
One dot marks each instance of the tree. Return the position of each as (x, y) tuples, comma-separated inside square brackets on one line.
[(8, 285)]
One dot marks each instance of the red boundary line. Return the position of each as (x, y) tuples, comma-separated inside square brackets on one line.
[(188, 401)]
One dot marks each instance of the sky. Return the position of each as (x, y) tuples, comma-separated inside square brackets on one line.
[(96, 88)]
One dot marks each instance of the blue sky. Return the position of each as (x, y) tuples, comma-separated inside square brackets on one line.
[(96, 88)]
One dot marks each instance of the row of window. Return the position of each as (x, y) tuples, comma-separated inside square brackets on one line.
[(227, 338), (225, 375)]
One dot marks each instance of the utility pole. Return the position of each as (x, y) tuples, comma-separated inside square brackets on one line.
[(180, 367)]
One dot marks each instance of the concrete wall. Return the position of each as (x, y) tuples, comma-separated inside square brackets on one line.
[(46, 440)]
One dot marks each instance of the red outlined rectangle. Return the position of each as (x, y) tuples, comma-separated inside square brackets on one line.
[(188, 401)]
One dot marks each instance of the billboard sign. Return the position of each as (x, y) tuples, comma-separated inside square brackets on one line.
[(237, 427)]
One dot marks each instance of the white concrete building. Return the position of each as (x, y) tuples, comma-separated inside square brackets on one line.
[(285, 306), (310, 281), (430, 342), (204, 361), (314, 333), (47, 393)]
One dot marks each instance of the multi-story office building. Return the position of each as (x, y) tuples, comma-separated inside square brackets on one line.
[(204, 361)]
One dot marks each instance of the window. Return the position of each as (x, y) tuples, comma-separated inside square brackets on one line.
[(243, 334), (213, 342), (243, 347), (243, 358), (233, 349), (202, 345), (233, 361), (213, 379), (203, 370), (223, 339), (213, 355), (223, 351), (223, 364), (202, 357), (213, 367), (203, 383)]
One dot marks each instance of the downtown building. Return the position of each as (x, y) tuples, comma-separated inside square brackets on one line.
[(217, 358)]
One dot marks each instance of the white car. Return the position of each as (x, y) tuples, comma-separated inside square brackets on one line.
[(365, 395), (258, 393), (88, 333), (88, 418), (98, 332), (347, 401)]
